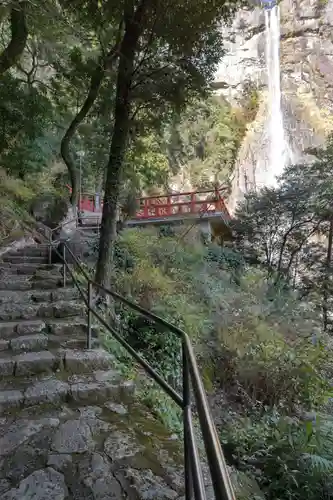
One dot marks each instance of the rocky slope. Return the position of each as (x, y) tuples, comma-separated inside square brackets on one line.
[(306, 80)]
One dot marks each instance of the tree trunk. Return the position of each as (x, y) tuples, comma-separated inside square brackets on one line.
[(327, 280), (128, 48), (95, 84), (19, 35)]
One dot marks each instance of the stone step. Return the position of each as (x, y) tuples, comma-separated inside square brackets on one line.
[(28, 343), (65, 327), (22, 282), (31, 251), (74, 342), (97, 387), (16, 283), (40, 341), (103, 451), (36, 296), (60, 309), (22, 259), (28, 268), (71, 361)]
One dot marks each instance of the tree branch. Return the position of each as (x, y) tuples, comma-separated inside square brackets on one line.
[(19, 35), (95, 84)]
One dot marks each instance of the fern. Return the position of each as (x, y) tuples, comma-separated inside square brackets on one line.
[(316, 463)]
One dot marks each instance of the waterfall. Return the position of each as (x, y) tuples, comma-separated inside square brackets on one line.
[(278, 154)]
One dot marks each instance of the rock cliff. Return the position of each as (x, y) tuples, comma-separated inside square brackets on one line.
[(306, 81)]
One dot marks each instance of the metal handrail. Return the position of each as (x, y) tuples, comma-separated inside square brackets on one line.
[(194, 482)]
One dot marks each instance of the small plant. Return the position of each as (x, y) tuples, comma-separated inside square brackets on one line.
[(163, 408)]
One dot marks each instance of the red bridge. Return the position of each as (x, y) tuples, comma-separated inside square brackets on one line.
[(196, 207), (177, 204)]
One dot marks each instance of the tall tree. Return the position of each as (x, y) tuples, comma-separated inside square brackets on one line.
[(167, 54), (289, 229)]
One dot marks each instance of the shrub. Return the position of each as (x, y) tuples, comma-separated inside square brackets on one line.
[(265, 368), (289, 459), (254, 342)]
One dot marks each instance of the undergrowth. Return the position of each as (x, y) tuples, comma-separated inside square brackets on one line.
[(16, 197), (254, 343)]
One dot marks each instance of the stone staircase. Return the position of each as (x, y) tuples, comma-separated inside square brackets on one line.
[(70, 427)]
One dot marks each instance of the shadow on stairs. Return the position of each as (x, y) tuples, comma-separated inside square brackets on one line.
[(70, 426)]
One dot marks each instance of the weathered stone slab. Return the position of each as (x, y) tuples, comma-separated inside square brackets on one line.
[(35, 362), (40, 295), (29, 342), (65, 294), (15, 311), (50, 391), (107, 375), (15, 285), (46, 310), (68, 327), (90, 412), (42, 484), (116, 408), (61, 309), (48, 272), (59, 461), (7, 329), (18, 259), (30, 251), (19, 269), (148, 486), (120, 445), (100, 480), (47, 284), (30, 327), (71, 308), (88, 360), (6, 367), (10, 296), (74, 436), (4, 344), (10, 399), (21, 430), (93, 392)]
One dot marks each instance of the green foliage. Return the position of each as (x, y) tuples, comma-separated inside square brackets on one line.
[(287, 229), (147, 160), (249, 103), (254, 342), (264, 369), (24, 116), (164, 275), (290, 459), (163, 408), (204, 141)]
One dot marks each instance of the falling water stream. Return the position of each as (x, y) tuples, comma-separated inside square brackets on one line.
[(278, 154)]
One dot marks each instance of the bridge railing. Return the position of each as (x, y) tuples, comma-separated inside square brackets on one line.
[(174, 204), (193, 392)]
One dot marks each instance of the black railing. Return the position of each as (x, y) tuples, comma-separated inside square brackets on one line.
[(194, 481)]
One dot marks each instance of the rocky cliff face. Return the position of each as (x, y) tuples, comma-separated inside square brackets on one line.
[(306, 81)]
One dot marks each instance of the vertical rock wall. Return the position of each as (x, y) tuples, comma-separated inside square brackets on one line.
[(306, 82)]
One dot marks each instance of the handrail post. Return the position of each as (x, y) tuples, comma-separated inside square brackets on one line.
[(64, 265), (90, 296), (186, 412)]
